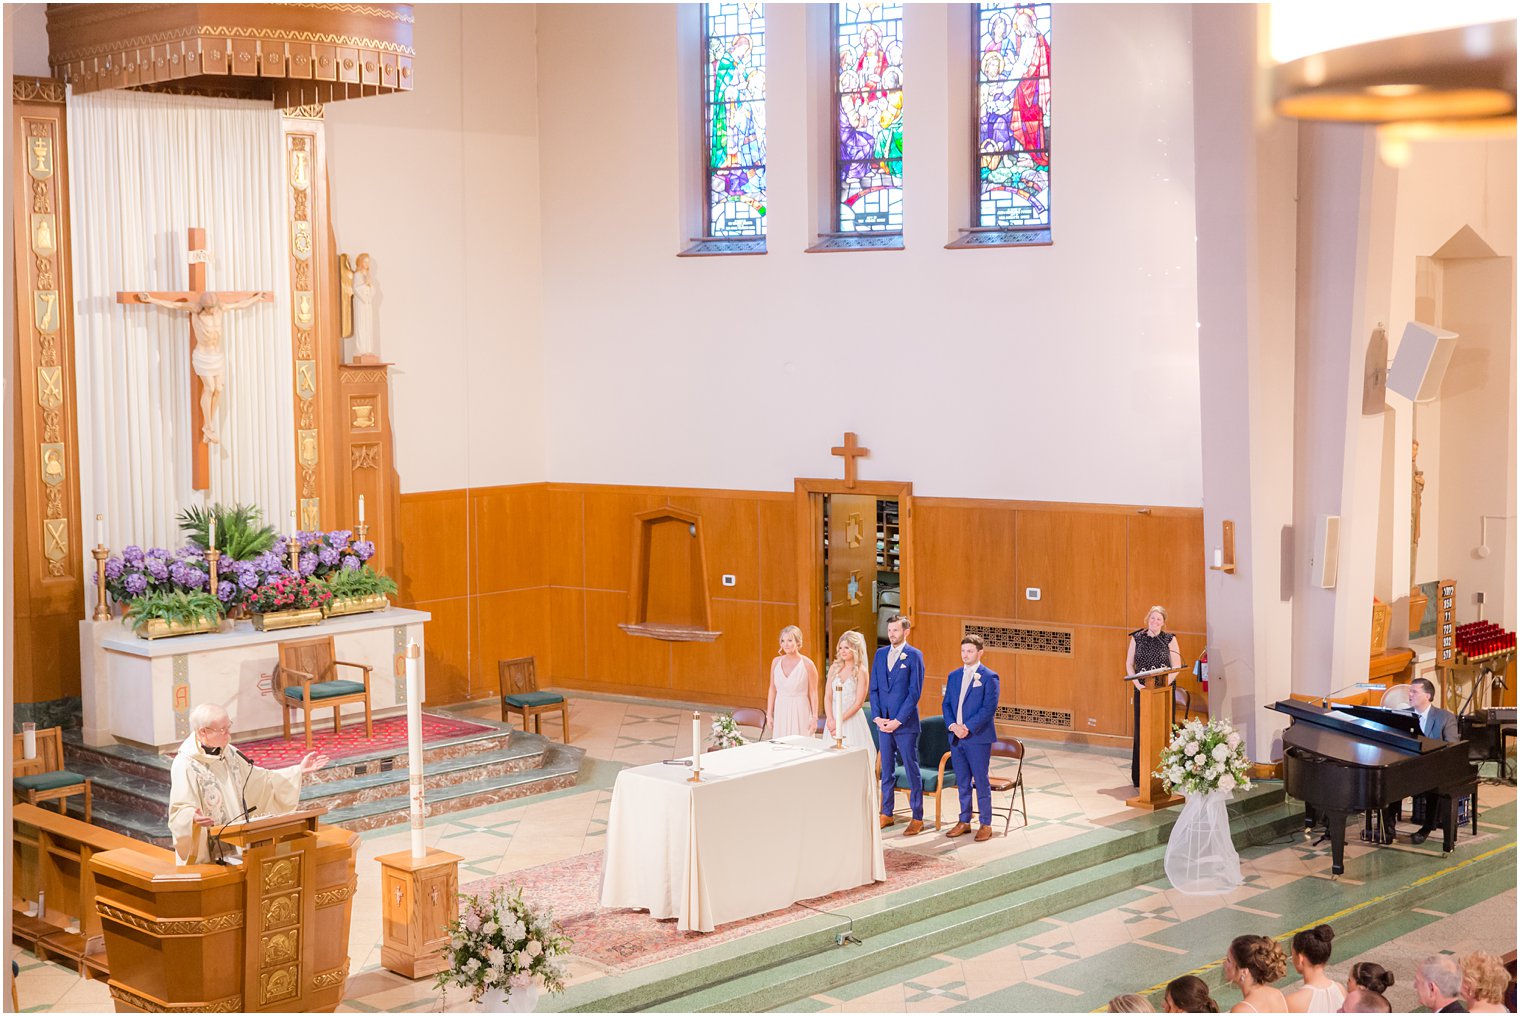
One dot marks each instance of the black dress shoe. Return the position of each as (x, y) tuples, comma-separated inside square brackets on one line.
[(1419, 835)]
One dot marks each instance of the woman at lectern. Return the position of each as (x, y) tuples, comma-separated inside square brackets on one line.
[(1150, 648)]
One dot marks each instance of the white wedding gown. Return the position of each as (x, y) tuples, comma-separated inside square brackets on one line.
[(857, 731)]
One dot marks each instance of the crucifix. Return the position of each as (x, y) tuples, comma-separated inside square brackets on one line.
[(850, 451), (208, 362)]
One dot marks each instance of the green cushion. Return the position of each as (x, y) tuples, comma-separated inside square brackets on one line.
[(327, 689), (46, 781), (534, 698), (929, 776)]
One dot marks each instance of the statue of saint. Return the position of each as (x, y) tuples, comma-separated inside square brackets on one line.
[(207, 357), (357, 283)]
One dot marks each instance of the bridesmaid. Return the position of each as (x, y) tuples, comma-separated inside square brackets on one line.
[(792, 703)]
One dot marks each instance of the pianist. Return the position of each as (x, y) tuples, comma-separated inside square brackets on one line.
[(1439, 725)]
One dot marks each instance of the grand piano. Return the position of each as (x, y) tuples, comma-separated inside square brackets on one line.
[(1342, 761)]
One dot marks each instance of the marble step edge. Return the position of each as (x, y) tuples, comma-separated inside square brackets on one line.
[(825, 971), (154, 796), (1024, 872), (147, 763), (141, 825)]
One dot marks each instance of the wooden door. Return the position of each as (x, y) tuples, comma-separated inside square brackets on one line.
[(850, 569)]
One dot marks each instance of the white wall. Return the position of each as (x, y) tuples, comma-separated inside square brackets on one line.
[(441, 187), (1060, 373)]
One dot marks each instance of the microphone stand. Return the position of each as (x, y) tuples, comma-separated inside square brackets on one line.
[(242, 796), (217, 838)]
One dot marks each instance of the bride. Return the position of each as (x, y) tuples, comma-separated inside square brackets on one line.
[(852, 667)]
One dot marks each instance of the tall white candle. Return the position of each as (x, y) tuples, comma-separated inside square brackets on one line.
[(838, 709), (100, 530), (696, 739), (211, 535), (414, 745), (361, 509), (1218, 557), (292, 525)]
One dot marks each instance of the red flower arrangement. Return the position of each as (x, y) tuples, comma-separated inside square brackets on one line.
[(288, 592)]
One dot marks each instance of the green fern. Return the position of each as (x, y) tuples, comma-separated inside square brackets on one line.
[(352, 583), (239, 532), (176, 607)]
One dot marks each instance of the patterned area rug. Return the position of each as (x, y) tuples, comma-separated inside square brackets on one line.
[(625, 939), (275, 752)]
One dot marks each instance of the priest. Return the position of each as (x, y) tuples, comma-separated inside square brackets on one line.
[(212, 785)]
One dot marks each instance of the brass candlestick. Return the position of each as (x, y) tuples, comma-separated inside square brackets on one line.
[(295, 554), (102, 610), (362, 531), (212, 556)]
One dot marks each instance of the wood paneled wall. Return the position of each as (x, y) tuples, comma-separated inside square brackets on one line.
[(1098, 570), (544, 570)]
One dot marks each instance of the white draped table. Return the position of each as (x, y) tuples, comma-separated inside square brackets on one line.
[(770, 824)]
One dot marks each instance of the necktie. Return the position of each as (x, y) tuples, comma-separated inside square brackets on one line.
[(960, 707)]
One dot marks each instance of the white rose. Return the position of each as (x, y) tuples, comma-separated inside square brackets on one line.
[(1175, 774), (1233, 739), (489, 928), (1226, 782), (1191, 748), (535, 947), (472, 965), (1221, 752)]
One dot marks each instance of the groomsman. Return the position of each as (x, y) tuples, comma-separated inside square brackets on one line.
[(971, 699), (897, 679)]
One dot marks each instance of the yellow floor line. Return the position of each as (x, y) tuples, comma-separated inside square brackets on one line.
[(1424, 880)]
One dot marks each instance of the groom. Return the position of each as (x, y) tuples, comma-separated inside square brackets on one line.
[(897, 679)]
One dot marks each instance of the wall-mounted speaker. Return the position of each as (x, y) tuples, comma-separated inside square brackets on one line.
[(1327, 551), (1421, 361)]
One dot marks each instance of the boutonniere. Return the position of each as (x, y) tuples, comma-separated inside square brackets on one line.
[(976, 680)]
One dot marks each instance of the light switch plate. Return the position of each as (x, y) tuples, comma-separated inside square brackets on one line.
[(1031, 593), (730, 580)]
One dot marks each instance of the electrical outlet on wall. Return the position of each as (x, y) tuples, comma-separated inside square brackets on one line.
[(1031, 592), (730, 580)]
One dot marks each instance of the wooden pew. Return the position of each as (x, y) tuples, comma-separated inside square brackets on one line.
[(52, 852)]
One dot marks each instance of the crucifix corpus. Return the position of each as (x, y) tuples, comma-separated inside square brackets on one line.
[(849, 451), (208, 361)]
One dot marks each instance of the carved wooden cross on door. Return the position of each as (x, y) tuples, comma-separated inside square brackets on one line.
[(850, 452), (190, 300)]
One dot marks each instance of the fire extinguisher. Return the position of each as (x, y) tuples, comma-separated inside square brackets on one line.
[(1201, 669)]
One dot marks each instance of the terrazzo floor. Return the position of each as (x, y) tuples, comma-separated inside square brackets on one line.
[(1073, 961)]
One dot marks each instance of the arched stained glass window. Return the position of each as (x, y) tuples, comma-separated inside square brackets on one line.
[(734, 112), (1013, 119), (869, 179)]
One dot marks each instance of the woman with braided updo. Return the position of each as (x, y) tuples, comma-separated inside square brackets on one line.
[(1252, 963), (1369, 976), (1311, 951)]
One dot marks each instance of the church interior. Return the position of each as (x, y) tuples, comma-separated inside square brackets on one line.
[(421, 522)]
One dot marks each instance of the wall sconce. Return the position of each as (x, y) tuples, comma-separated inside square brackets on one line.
[(1224, 554)]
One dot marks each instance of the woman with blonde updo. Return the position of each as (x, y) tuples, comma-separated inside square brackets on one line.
[(852, 669), (1484, 981), (1252, 963), (792, 703)]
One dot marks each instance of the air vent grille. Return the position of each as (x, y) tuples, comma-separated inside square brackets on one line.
[(1030, 716), (1019, 638)]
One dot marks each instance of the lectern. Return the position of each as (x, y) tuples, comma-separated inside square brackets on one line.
[(1154, 733), (269, 934)]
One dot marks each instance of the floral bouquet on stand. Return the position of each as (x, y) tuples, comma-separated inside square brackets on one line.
[(501, 950), (725, 733), (1207, 762)]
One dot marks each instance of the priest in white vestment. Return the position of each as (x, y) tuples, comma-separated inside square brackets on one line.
[(212, 784)]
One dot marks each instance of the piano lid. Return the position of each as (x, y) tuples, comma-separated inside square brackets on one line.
[(1355, 726)]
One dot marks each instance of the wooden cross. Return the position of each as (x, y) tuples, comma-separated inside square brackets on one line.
[(850, 451), (200, 448)]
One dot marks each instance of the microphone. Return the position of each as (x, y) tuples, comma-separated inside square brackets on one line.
[(1324, 702), (220, 858)]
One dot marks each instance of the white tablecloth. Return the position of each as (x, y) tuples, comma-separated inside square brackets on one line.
[(770, 824)]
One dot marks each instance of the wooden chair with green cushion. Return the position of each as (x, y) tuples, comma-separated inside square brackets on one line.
[(307, 679), (933, 762), (520, 694), (43, 778)]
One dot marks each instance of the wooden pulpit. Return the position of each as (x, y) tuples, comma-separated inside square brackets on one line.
[(269, 934), (1154, 733)]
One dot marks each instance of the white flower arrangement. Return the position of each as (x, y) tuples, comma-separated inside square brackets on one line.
[(1203, 758), (725, 733), (502, 942)]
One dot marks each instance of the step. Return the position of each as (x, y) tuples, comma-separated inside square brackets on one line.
[(776, 965)]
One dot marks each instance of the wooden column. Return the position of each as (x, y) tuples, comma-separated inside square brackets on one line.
[(366, 456), (49, 578), (419, 898)]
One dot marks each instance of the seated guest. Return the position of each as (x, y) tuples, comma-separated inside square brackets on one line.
[(1369, 977), (1484, 981), (1252, 963), (1438, 984), (1129, 1003), (971, 699), (212, 784), (1311, 951), (1437, 724), (1366, 1000), (1188, 994)]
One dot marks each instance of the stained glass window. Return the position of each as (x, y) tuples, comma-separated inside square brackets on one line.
[(868, 42), (734, 107), (1013, 116)]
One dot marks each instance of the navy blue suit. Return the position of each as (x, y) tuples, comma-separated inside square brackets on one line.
[(972, 755), (894, 696)]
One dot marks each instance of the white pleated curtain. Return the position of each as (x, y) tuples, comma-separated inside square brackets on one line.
[(143, 169)]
